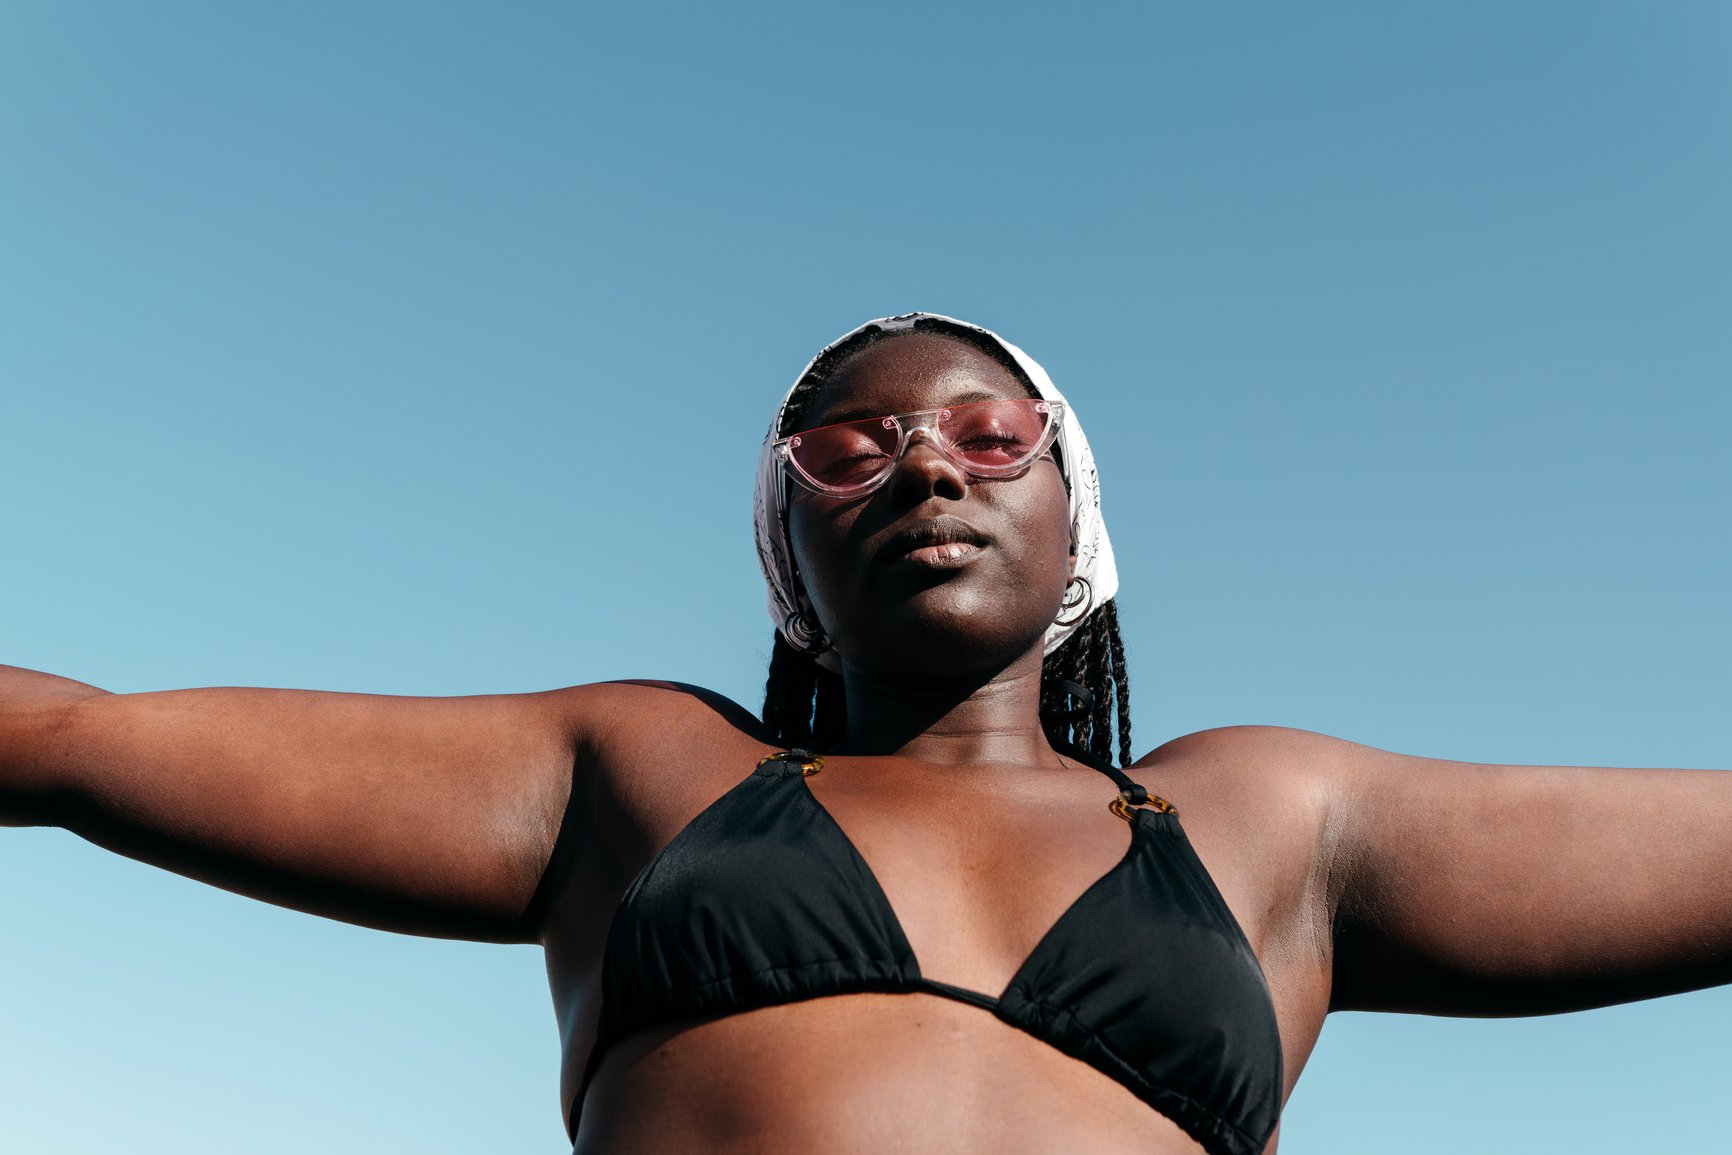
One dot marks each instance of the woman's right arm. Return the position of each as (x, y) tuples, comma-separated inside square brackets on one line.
[(432, 816)]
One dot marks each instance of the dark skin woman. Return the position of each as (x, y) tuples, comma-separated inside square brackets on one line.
[(1360, 879)]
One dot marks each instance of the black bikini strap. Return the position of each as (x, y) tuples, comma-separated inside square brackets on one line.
[(1131, 794)]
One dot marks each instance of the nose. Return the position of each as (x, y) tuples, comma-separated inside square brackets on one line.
[(924, 471)]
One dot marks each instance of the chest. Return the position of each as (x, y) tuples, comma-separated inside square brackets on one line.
[(977, 871), (1139, 968), (974, 869)]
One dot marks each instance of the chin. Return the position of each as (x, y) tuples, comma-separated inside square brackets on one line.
[(937, 642)]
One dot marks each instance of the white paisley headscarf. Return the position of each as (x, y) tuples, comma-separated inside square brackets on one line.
[(1094, 563)]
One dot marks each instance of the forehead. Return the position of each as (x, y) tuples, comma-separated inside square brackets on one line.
[(909, 373)]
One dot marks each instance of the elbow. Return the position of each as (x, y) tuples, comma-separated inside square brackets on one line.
[(38, 753)]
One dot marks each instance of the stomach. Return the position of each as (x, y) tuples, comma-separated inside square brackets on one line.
[(861, 1073)]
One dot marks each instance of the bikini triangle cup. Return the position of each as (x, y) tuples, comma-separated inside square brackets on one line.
[(762, 899)]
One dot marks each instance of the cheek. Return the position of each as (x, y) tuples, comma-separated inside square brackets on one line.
[(817, 535), (1047, 526), (1060, 560), (1038, 540)]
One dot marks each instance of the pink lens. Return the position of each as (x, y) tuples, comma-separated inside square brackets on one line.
[(848, 455), (987, 438), (994, 438)]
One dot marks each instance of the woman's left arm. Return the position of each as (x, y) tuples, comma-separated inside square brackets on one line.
[(1469, 889)]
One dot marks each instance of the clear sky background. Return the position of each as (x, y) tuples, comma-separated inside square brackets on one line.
[(427, 348)]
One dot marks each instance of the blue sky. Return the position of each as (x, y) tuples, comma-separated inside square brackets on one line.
[(427, 349)]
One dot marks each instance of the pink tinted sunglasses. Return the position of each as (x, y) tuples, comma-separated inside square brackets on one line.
[(985, 439)]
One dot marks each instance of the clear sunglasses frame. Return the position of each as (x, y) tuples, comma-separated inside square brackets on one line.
[(929, 422)]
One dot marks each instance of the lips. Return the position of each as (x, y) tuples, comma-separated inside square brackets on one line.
[(940, 543)]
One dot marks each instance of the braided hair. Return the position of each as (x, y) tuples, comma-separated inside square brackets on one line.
[(804, 705)]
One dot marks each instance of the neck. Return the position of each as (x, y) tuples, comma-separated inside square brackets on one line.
[(992, 716)]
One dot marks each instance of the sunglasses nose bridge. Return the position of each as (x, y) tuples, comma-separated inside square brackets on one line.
[(934, 464), (929, 425)]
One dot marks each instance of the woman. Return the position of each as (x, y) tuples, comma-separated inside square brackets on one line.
[(916, 906)]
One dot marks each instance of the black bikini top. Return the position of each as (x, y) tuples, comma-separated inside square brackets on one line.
[(1147, 977)]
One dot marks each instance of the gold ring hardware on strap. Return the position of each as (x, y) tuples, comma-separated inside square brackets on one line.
[(808, 762), (1126, 809)]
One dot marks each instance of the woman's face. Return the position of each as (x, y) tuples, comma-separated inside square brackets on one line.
[(933, 574)]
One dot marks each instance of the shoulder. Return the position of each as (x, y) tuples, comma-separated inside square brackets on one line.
[(1279, 758), (649, 746), (1282, 761), (638, 725), (632, 711), (1248, 753), (1285, 792), (648, 754), (1299, 796)]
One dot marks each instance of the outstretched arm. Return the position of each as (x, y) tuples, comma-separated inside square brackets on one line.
[(1474, 889), (429, 816)]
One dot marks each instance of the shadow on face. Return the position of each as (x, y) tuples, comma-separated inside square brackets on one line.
[(887, 611)]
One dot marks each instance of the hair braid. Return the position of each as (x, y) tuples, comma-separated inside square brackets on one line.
[(804, 705), (1121, 679), (1093, 658)]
